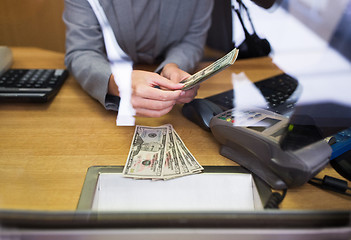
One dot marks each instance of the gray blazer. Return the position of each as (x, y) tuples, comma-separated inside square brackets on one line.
[(180, 38)]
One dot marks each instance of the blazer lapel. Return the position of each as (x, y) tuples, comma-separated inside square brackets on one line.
[(168, 14), (119, 13)]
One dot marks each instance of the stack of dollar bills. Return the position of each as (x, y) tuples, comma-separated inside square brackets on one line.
[(211, 70), (159, 153)]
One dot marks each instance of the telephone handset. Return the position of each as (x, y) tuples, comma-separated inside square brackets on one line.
[(251, 138), (5, 59)]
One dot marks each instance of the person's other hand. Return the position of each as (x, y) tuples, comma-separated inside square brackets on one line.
[(176, 75)]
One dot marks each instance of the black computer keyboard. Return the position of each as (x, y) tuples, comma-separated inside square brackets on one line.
[(38, 85), (281, 93)]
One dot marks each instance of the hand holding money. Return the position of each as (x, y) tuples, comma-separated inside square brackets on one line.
[(159, 153), (211, 70)]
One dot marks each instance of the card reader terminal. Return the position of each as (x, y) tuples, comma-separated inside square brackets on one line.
[(251, 138)]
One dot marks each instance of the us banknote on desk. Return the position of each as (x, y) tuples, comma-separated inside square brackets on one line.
[(211, 70), (159, 153)]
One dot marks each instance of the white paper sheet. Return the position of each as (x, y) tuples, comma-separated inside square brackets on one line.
[(195, 193)]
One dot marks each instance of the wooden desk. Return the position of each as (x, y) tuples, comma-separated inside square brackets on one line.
[(46, 149)]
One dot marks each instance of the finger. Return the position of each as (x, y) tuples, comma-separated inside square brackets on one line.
[(184, 100), (165, 83), (174, 73), (156, 94), (178, 76), (151, 104), (188, 95), (183, 76)]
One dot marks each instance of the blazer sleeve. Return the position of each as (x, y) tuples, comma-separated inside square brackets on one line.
[(189, 51), (85, 54)]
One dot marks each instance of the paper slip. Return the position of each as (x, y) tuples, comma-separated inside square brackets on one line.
[(121, 67)]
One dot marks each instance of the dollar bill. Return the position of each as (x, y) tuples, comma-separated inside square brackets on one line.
[(147, 152), (187, 157), (159, 153), (171, 166), (211, 70)]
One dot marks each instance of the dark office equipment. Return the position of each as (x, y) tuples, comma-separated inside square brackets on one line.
[(342, 164), (251, 138), (31, 85), (341, 156), (341, 143), (201, 111), (281, 93), (312, 122)]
